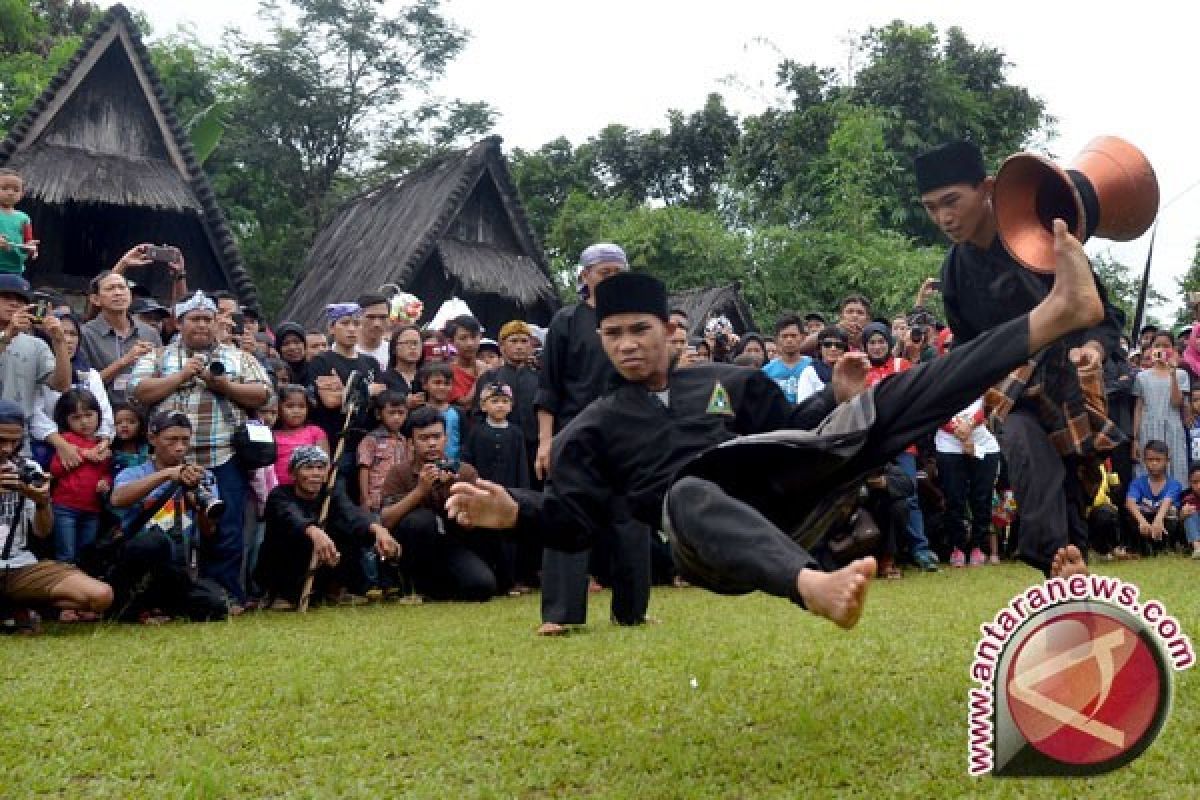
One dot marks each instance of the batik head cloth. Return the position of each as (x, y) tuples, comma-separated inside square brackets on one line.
[(336, 311), (197, 302), (308, 455)]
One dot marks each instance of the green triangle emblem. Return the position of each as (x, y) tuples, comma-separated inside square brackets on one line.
[(719, 403)]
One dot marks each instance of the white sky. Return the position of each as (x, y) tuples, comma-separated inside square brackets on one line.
[(562, 67)]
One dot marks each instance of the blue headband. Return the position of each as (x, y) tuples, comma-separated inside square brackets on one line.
[(336, 311)]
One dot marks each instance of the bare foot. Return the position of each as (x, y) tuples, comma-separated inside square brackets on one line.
[(837, 596), (1073, 303), (552, 629), (1068, 561)]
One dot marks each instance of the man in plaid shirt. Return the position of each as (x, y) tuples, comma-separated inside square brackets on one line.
[(215, 385)]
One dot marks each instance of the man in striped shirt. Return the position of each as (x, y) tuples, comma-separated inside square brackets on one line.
[(216, 386)]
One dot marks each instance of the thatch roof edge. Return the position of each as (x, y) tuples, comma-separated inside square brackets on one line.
[(215, 225)]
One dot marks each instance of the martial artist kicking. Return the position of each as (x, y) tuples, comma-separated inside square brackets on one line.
[(752, 484)]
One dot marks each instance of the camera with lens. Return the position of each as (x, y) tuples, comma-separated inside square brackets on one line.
[(30, 475), (206, 502), (446, 465), (215, 368), (42, 304)]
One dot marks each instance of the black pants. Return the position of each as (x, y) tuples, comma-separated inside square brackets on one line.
[(1049, 497), (565, 575), (891, 515), (151, 574), (283, 566), (968, 481), (440, 561), (731, 546), (1104, 528)]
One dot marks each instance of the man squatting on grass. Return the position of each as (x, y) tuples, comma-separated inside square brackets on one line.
[(751, 483)]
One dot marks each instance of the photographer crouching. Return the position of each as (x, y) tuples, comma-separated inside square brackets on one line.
[(215, 385), (25, 509), (444, 561), (164, 503)]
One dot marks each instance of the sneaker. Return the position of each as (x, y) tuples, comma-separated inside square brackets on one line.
[(978, 559), (1196, 553), (927, 561), (993, 559), (957, 559)]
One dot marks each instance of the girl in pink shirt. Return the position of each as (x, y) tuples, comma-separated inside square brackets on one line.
[(293, 429)]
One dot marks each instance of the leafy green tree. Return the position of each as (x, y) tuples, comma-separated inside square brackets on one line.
[(336, 96), (926, 89), (37, 37), (1123, 284)]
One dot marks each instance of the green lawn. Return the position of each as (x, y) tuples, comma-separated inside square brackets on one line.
[(456, 701)]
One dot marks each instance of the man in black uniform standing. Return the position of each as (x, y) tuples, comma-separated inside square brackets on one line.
[(752, 483), (575, 371), (1046, 432)]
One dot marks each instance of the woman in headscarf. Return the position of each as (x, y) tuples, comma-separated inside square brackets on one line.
[(290, 342)]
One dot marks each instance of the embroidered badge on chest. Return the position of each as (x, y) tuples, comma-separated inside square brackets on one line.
[(718, 402)]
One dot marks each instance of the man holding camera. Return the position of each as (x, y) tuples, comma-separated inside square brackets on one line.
[(159, 501), (443, 560), (215, 386), (26, 361), (25, 509)]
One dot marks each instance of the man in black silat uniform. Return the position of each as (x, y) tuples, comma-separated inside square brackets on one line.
[(751, 483), (1046, 432)]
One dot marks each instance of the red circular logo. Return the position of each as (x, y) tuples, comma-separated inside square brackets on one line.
[(1085, 688)]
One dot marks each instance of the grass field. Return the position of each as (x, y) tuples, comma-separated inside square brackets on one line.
[(457, 701)]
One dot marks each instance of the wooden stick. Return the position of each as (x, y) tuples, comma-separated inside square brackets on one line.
[(330, 482)]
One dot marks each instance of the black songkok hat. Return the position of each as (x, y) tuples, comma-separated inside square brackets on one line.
[(631, 293), (956, 162)]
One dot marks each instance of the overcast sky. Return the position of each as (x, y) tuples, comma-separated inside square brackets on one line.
[(565, 67)]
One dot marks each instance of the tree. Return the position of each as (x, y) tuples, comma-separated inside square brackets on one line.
[(1123, 284), (924, 88), (336, 96), (37, 37), (684, 165)]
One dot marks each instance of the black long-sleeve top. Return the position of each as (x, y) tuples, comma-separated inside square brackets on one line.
[(575, 369), (982, 289), (498, 454), (525, 384), (628, 443), (288, 515)]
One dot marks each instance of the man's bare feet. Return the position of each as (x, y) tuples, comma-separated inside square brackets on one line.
[(552, 629), (837, 596), (1073, 303), (1068, 561)]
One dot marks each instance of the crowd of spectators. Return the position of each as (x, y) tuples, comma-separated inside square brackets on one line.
[(191, 460)]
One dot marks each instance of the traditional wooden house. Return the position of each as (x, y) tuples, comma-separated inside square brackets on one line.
[(106, 166), (452, 227), (700, 305)]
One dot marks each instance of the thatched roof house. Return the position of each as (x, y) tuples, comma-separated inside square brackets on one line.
[(452, 227), (702, 304), (106, 165)]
